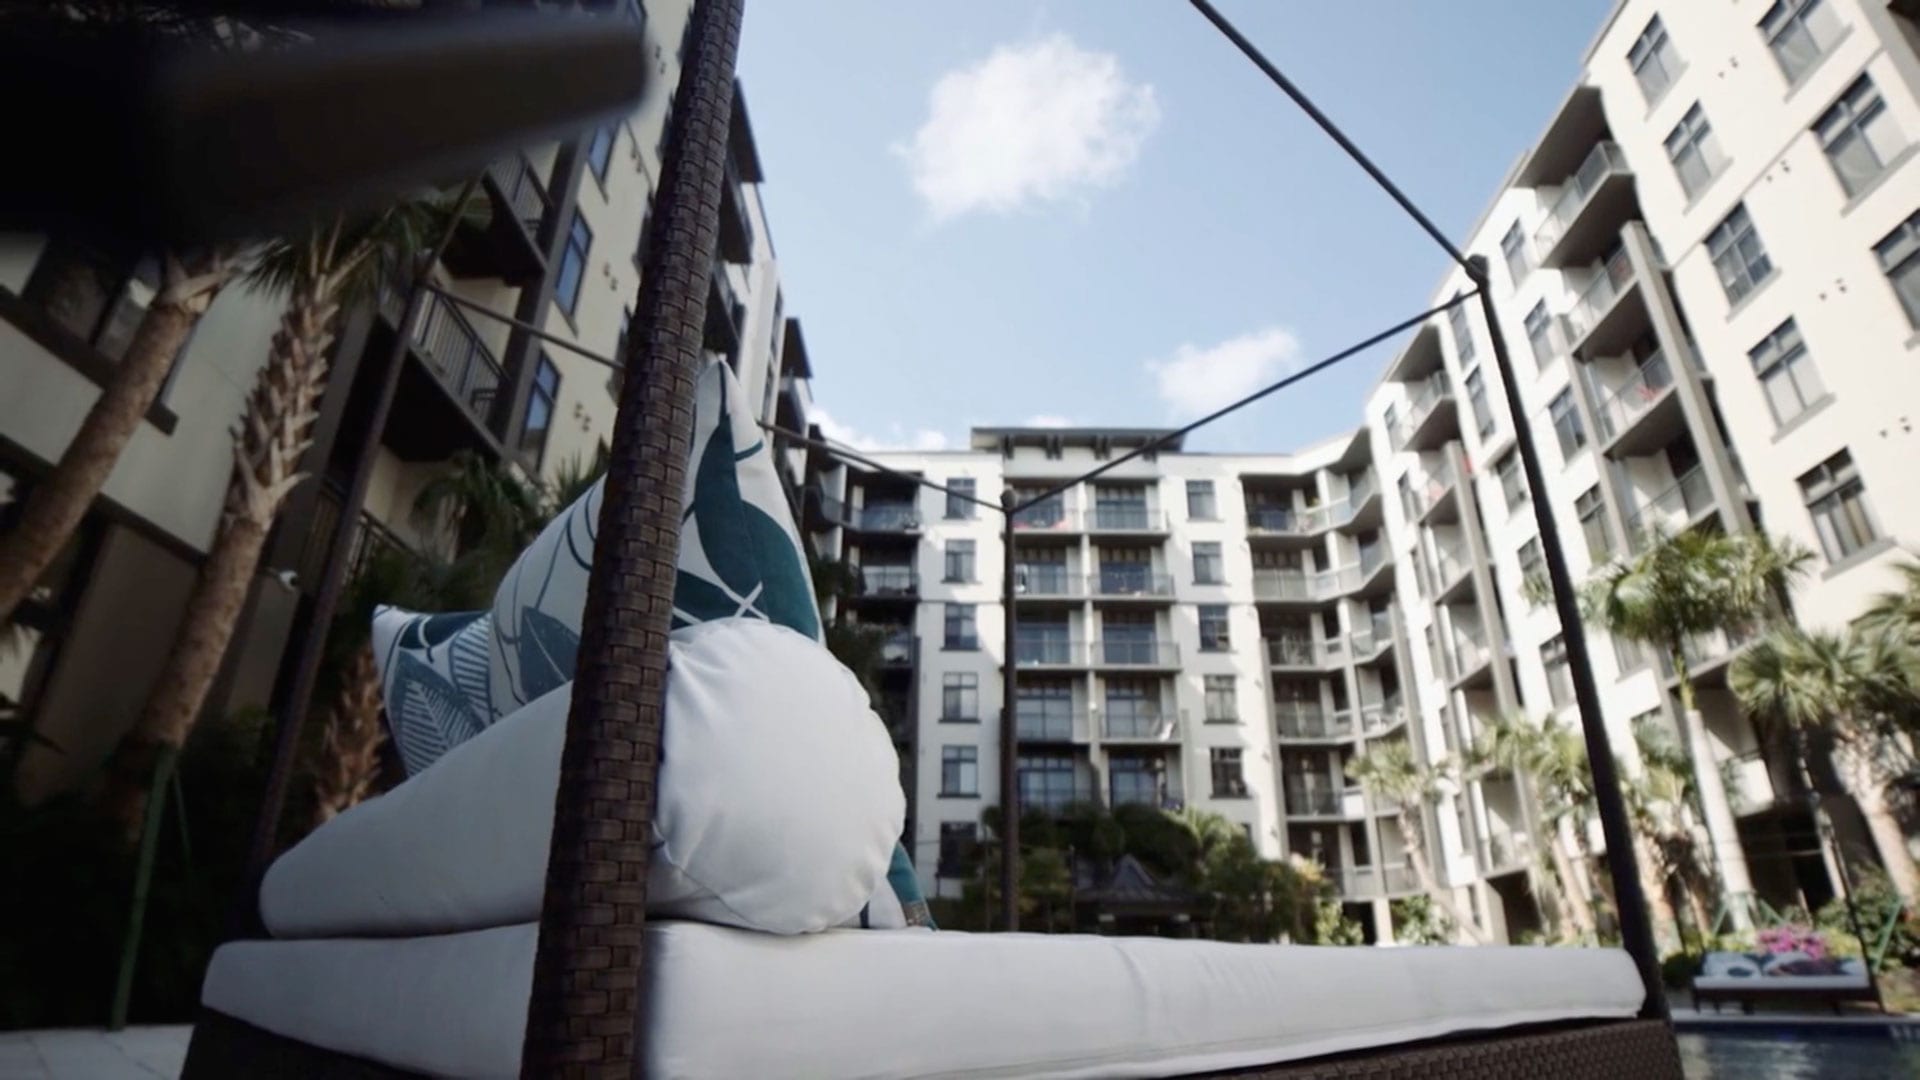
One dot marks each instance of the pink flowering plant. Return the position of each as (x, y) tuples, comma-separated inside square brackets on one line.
[(1791, 939)]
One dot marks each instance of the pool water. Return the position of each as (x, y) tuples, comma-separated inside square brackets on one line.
[(1799, 1054)]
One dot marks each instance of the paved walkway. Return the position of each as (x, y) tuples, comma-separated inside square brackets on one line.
[(138, 1053)]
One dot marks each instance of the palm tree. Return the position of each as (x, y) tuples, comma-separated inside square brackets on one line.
[(332, 264), (1388, 772), (482, 508), (1898, 611), (1840, 684), (1659, 795), (1552, 762), (55, 506), (1680, 588)]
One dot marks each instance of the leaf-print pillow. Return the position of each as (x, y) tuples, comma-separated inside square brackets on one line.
[(433, 677)]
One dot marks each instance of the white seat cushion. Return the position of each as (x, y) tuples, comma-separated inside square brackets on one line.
[(730, 1003), (779, 808)]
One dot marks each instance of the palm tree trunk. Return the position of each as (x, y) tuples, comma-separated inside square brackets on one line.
[(1423, 873), (1723, 832), (1579, 909), (272, 436), (1889, 839), (57, 504), (1653, 883), (350, 744)]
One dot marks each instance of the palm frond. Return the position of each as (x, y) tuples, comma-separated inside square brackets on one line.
[(366, 251)]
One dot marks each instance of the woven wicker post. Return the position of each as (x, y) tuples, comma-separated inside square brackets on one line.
[(586, 1017)]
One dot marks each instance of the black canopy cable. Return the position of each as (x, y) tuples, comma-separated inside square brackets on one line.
[(838, 450), (1312, 369), (1636, 927)]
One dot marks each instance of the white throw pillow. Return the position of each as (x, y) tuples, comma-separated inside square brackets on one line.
[(779, 807)]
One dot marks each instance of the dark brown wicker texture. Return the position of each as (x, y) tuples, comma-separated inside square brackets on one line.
[(584, 1018)]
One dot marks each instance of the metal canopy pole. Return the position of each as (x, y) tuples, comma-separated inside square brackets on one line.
[(1636, 927), (1009, 749)]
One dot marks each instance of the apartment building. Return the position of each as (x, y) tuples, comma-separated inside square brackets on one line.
[(1214, 631), (1708, 271), (561, 252)]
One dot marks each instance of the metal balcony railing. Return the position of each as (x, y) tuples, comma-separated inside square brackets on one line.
[(1048, 651), (1110, 584), (1449, 562), (886, 517), (1379, 716), (1369, 882), (1051, 725), (1469, 655), (1141, 725), (889, 581), (371, 537), (1278, 520), (1370, 639), (1612, 279), (1635, 397), (1672, 509), (1051, 515), (1034, 580), (1315, 797), (1296, 651), (1308, 720), (520, 184), (1298, 585), (459, 358), (1424, 493), (1128, 653), (1125, 518), (1605, 160)]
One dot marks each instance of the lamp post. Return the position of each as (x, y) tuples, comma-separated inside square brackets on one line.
[(1009, 734)]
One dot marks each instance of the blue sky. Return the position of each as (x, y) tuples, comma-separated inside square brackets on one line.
[(1002, 212)]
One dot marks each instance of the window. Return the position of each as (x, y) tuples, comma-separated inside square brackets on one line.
[(1566, 424), (960, 770), (1738, 255), (960, 697), (1223, 704), (600, 151), (958, 840), (1513, 244), (1837, 500), (1553, 655), (1228, 783), (1462, 332), (961, 632), (1513, 484), (541, 397), (1043, 709), (1786, 373), (959, 560), (1214, 635), (1477, 397), (1200, 501), (1900, 257), (1694, 151), (1859, 135), (959, 490), (1654, 61), (573, 264), (1799, 32), (1591, 509), (1533, 573), (96, 295), (1051, 782), (1208, 564), (1540, 334), (1134, 781)]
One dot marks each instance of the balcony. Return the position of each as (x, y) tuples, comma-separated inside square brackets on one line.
[(1504, 849), (1290, 586), (1307, 721), (1055, 799), (899, 650), (1431, 417), (1587, 216), (467, 375), (1050, 516), (1452, 572), (371, 538), (1380, 717), (1370, 641), (1318, 797), (889, 582), (1644, 414), (1679, 507), (507, 244), (1127, 653), (736, 228), (1371, 882), (724, 312), (1472, 663), (1361, 510), (1108, 585), (1047, 581), (1153, 726), (1286, 521), (1751, 790), (1429, 499), (882, 517), (1707, 654), (1126, 520), (1293, 651), (1600, 323), (1281, 521), (1042, 653), (1052, 725)]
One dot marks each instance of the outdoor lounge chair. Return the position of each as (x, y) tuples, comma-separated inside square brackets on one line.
[(1745, 979), (596, 988)]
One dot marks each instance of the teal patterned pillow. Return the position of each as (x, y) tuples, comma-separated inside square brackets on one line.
[(433, 677)]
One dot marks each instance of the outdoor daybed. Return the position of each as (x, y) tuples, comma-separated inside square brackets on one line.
[(505, 911), (1745, 979)]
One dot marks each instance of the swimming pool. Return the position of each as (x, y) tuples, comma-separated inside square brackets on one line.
[(1799, 1052)]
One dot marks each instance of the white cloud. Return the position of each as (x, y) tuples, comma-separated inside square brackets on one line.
[(1041, 121), (1198, 380), (897, 437), (1050, 420)]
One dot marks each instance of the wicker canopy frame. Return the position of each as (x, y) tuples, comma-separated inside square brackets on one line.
[(587, 1010)]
